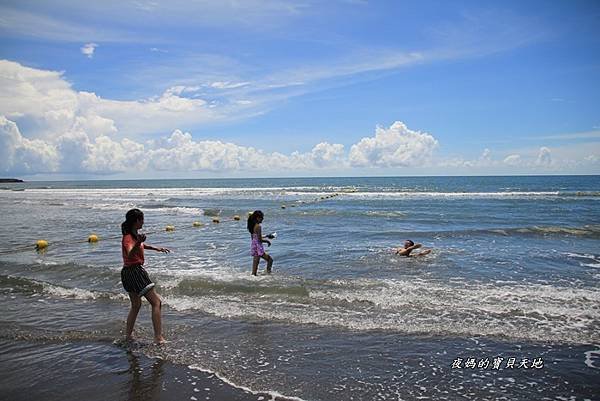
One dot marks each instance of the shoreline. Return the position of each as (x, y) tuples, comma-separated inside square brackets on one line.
[(99, 371)]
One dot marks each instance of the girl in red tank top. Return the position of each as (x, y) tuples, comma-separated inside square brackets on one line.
[(134, 277)]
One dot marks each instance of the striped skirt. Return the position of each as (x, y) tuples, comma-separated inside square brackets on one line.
[(135, 279)]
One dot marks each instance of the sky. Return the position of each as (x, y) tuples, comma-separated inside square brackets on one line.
[(277, 88)]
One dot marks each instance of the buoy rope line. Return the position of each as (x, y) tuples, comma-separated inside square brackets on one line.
[(42, 245)]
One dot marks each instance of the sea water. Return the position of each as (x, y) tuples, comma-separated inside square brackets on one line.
[(514, 273)]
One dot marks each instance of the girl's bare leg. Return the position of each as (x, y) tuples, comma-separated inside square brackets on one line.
[(136, 303), (156, 303), (255, 261), (269, 260)]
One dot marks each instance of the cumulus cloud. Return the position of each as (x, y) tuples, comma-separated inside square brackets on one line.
[(396, 146), (52, 107), (540, 160), (180, 152), (80, 132), (106, 156), (23, 155), (47, 127), (325, 154), (88, 49), (544, 157), (38, 94), (76, 152)]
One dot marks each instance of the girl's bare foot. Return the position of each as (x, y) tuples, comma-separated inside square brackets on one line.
[(160, 340)]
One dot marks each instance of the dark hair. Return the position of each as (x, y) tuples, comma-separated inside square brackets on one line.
[(411, 243), (131, 218), (252, 219)]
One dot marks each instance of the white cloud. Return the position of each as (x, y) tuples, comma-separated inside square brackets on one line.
[(107, 156), (483, 161), (86, 133), (512, 160), (228, 85), (486, 156), (112, 21), (592, 135), (544, 157), (569, 159), (325, 154), (397, 146), (76, 152), (73, 148), (47, 100), (23, 155), (180, 152), (39, 94), (79, 132), (88, 49)]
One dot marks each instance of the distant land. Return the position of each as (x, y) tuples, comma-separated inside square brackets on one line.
[(3, 180)]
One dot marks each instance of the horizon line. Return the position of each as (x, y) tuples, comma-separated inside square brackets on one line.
[(300, 177)]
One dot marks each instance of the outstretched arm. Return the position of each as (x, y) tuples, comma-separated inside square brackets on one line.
[(153, 248), (407, 251)]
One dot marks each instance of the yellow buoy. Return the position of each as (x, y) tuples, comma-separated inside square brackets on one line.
[(197, 224), (93, 238), (236, 217), (41, 244), (170, 228), (216, 220)]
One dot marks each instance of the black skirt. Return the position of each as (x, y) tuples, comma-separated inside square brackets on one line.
[(135, 279)]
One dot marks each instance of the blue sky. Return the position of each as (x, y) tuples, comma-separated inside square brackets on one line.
[(133, 89)]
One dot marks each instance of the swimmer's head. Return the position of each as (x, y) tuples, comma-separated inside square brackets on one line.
[(408, 243)]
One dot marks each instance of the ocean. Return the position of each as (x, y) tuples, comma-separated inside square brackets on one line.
[(507, 305)]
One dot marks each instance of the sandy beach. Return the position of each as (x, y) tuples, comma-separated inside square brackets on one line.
[(104, 371)]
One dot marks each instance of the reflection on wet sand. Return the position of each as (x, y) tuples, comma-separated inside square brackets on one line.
[(144, 386)]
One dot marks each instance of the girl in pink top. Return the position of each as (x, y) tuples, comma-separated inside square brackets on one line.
[(134, 277), (256, 248)]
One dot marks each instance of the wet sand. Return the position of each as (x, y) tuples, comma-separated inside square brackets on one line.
[(103, 371)]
